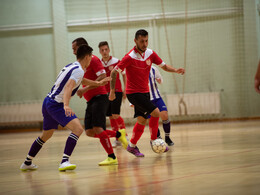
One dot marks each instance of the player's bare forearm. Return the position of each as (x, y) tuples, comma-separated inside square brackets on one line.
[(168, 68), (113, 79), (67, 91)]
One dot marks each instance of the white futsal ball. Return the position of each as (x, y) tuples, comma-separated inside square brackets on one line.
[(158, 146)]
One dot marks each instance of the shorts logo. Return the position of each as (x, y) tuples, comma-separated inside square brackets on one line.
[(148, 62)]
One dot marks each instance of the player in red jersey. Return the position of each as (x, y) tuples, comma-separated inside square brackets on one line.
[(138, 63), (113, 112), (97, 104)]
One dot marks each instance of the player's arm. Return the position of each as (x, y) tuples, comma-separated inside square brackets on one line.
[(113, 76), (168, 68), (257, 79), (124, 81), (67, 95), (90, 84), (158, 75)]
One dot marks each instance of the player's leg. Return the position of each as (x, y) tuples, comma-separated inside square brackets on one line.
[(166, 127), (116, 108), (76, 130), (49, 124), (98, 124), (35, 148)]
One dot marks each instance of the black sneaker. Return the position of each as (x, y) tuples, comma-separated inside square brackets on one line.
[(169, 141)]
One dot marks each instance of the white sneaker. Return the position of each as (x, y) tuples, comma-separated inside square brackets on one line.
[(116, 143), (67, 166), (25, 167)]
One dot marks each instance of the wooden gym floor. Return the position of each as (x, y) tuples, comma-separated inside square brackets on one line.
[(207, 158)]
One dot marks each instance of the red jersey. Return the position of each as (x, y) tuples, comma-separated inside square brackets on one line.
[(94, 70), (138, 67), (109, 66)]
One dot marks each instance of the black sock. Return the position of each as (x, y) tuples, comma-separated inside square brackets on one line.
[(112, 156), (118, 134)]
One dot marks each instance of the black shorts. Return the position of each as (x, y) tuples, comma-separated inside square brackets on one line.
[(115, 105), (96, 110), (142, 104)]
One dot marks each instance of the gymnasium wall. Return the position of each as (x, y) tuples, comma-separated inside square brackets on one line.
[(222, 46)]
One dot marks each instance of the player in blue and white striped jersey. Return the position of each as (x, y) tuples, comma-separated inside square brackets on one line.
[(56, 109), (157, 100)]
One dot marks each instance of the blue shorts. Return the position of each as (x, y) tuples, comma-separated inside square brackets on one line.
[(54, 114), (159, 103)]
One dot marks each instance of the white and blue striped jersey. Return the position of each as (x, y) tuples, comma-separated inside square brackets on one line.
[(71, 71), (154, 91)]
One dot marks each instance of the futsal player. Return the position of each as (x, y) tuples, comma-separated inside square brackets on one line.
[(97, 104), (157, 100), (137, 63), (56, 109), (113, 112)]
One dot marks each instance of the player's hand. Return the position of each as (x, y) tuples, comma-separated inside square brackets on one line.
[(112, 96), (80, 93), (68, 111), (180, 71), (104, 81)]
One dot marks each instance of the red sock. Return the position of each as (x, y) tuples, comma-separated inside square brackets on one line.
[(114, 124), (137, 133), (111, 133), (153, 127), (104, 140), (120, 122)]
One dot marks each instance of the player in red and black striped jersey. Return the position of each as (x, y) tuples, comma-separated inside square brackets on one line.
[(138, 64)]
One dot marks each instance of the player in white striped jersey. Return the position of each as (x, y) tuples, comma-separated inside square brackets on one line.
[(56, 109), (157, 100)]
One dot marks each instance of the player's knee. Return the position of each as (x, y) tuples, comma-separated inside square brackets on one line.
[(78, 131), (90, 133), (155, 113)]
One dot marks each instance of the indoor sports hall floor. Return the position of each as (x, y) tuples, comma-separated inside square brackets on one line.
[(207, 158)]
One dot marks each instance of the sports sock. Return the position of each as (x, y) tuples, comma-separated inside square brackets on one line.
[(158, 133), (114, 124), (104, 140), (167, 127), (111, 133), (120, 122), (69, 147), (153, 127), (112, 156), (35, 148), (137, 133)]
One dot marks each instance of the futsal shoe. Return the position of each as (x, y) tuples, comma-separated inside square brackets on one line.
[(122, 138), (116, 143), (66, 166), (108, 161), (169, 141), (25, 167), (135, 151)]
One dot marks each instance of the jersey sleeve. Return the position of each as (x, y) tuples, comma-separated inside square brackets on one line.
[(120, 67), (97, 66), (77, 75), (157, 60)]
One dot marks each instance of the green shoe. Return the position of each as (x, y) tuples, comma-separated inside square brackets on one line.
[(108, 161), (122, 138)]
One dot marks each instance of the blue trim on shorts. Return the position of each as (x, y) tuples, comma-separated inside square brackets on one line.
[(159, 103)]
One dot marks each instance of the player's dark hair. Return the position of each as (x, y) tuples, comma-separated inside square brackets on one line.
[(84, 50), (102, 43), (141, 32), (80, 41)]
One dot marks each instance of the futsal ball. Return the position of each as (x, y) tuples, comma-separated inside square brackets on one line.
[(158, 146)]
